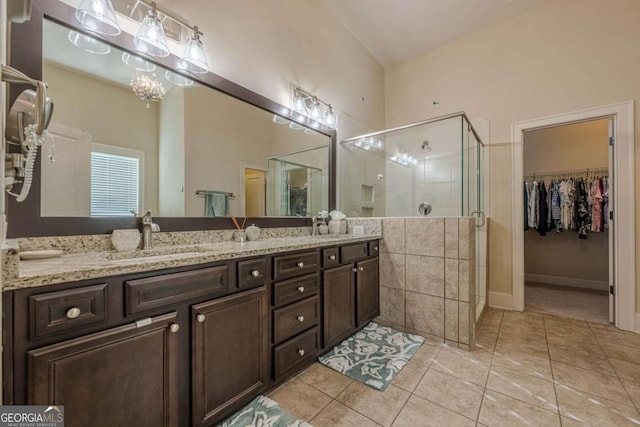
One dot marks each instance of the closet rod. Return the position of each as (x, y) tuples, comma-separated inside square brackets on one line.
[(569, 172)]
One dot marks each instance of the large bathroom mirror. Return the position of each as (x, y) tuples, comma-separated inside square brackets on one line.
[(203, 150)]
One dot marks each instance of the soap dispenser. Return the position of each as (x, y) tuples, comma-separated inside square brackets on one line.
[(253, 232)]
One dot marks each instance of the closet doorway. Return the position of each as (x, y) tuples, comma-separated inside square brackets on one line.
[(566, 239), (621, 231)]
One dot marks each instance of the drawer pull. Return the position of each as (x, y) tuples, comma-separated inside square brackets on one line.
[(300, 318), (73, 313), (355, 270), (200, 318), (174, 327), (300, 264), (361, 268), (375, 248), (301, 352), (332, 257), (255, 273), (300, 289)]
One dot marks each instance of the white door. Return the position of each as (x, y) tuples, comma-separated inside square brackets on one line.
[(66, 181), (609, 213), (255, 189)]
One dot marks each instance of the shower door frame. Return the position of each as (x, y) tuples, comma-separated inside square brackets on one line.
[(624, 265)]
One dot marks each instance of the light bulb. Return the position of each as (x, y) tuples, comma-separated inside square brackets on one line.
[(98, 16), (315, 111), (330, 118), (299, 104), (194, 59)]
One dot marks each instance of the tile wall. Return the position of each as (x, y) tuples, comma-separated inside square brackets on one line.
[(427, 277)]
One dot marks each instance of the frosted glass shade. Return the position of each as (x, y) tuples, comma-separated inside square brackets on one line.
[(194, 59), (98, 16), (177, 79), (150, 38), (330, 119), (138, 63), (88, 43)]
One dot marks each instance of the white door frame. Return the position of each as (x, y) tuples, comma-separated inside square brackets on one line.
[(623, 203)]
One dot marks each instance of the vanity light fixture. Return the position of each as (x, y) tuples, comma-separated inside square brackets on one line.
[(150, 38), (309, 105), (88, 43), (98, 16), (147, 88)]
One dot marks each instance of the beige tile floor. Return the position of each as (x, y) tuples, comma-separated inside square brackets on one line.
[(527, 369)]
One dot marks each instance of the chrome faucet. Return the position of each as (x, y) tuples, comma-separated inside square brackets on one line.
[(148, 227), (315, 223)]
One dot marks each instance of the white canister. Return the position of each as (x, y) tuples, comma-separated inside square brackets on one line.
[(125, 240), (335, 226), (253, 232), (323, 229)]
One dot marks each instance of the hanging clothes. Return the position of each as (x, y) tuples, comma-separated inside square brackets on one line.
[(533, 205), (543, 210), (582, 210), (596, 206), (555, 206), (526, 205), (605, 202)]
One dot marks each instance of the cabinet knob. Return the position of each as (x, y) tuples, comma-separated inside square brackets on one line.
[(361, 268), (375, 248), (301, 352), (300, 288), (355, 270), (200, 318), (73, 313), (255, 273), (300, 318), (300, 264), (174, 327), (332, 257)]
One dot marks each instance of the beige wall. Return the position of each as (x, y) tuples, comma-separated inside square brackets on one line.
[(576, 146), (564, 56), (137, 126), (171, 166), (267, 46)]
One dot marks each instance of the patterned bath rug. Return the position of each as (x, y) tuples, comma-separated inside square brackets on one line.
[(263, 412), (374, 356)]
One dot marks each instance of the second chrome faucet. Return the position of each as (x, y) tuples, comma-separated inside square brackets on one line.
[(148, 227)]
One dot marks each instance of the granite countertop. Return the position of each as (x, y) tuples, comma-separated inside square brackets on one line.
[(81, 266)]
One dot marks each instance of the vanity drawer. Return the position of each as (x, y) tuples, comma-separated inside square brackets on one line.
[(288, 356), (330, 257), (252, 273), (353, 252), (60, 311), (295, 318), (297, 264), (295, 289), (374, 248), (152, 292)]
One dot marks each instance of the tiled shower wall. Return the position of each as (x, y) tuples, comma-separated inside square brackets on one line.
[(427, 277)]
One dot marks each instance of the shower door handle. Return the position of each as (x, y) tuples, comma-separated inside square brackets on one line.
[(483, 219)]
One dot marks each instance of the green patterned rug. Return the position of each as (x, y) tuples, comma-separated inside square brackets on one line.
[(263, 412), (374, 356)]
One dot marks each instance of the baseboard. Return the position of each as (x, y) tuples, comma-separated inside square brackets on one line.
[(567, 281), (501, 300)]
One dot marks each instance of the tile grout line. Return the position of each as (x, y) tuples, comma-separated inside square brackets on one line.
[(484, 390), (637, 407), (553, 375)]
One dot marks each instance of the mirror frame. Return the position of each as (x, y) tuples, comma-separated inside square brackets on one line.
[(25, 54)]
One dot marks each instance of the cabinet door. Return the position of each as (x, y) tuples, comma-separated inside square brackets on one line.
[(118, 377), (229, 354), (339, 304), (367, 291)]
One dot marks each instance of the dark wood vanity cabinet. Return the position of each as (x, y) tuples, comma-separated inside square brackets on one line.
[(338, 291), (126, 375), (229, 350), (186, 346)]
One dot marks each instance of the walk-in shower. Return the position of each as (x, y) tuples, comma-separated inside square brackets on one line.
[(435, 167)]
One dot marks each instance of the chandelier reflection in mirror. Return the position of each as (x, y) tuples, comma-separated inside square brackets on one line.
[(99, 16), (147, 88)]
